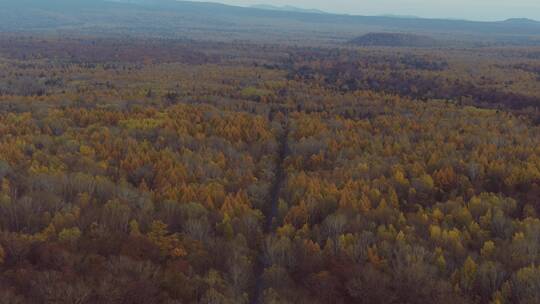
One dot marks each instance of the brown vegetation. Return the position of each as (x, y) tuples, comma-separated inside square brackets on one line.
[(174, 172)]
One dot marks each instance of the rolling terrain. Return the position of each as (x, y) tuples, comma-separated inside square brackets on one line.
[(179, 152), (182, 19)]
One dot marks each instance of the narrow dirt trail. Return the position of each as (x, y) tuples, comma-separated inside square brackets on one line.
[(271, 210), (279, 178)]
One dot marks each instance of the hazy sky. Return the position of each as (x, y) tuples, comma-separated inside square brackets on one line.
[(466, 9)]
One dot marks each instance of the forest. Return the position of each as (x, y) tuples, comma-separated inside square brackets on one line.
[(162, 170)]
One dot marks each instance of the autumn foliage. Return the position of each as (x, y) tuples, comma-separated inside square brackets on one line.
[(169, 172)]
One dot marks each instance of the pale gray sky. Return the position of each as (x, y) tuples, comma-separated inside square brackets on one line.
[(465, 9)]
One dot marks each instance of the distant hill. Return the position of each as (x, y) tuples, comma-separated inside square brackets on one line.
[(395, 40), (209, 21), (401, 16), (522, 21), (287, 8)]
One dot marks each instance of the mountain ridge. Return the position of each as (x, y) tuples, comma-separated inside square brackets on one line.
[(170, 18), (288, 8)]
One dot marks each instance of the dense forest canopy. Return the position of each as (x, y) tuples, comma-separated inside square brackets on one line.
[(219, 163), (170, 171)]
